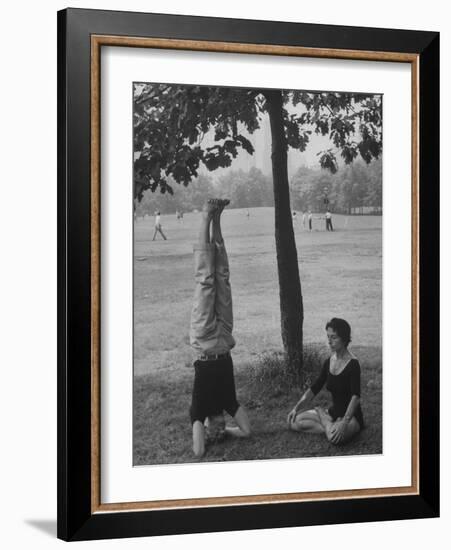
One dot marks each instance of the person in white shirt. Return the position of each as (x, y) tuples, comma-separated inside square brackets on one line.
[(158, 227), (328, 217)]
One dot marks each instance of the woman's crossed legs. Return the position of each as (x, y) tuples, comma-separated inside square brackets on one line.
[(319, 421)]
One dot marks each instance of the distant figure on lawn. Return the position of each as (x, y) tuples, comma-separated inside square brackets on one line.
[(328, 217), (158, 228), (179, 215), (341, 374), (211, 337), (310, 220)]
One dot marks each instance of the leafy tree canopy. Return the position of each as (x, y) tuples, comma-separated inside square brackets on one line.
[(170, 122)]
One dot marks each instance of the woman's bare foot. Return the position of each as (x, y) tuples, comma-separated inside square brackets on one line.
[(324, 417)]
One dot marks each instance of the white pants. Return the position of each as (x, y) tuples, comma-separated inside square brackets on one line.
[(212, 314)]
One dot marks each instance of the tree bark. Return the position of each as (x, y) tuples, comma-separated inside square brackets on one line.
[(291, 305)]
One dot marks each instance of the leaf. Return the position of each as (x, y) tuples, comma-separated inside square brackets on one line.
[(328, 161)]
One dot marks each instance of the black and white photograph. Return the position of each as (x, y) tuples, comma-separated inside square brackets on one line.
[(224, 274), (257, 273)]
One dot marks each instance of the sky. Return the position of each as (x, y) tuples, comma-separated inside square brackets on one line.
[(261, 159)]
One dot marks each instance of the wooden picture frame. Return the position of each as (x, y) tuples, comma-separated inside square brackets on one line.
[(81, 35)]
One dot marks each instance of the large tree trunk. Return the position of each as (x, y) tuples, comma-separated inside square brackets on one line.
[(291, 306)]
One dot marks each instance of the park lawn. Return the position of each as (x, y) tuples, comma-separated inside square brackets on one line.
[(341, 275), (162, 431)]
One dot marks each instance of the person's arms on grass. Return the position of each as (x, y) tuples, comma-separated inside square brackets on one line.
[(339, 428)]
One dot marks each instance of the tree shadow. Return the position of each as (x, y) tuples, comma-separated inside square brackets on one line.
[(47, 526)]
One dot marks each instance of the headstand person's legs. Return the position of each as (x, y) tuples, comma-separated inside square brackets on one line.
[(203, 327), (204, 229), (224, 312), (223, 303)]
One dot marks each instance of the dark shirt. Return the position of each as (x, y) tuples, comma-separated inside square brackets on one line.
[(342, 387)]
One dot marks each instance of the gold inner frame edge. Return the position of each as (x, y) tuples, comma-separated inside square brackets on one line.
[(97, 41)]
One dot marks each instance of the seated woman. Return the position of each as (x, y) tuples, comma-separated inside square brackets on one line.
[(341, 374)]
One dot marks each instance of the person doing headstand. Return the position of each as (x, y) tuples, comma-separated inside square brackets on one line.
[(211, 336)]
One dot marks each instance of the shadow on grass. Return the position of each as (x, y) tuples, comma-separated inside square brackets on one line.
[(162, 430)]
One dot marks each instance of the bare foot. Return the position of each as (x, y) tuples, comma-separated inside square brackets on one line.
[(210, 207), (222, 203), (214, 207), (216, 230), (323, 416)]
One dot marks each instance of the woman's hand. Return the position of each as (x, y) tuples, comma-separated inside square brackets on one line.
[(301, 404), (338, 430), (292, 416)]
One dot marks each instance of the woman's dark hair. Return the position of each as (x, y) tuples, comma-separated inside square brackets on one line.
[(342, 328)]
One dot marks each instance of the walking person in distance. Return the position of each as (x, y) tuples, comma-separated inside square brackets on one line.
[(158, 228)]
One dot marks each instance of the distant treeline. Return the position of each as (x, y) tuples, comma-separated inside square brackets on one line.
[(354, 189)]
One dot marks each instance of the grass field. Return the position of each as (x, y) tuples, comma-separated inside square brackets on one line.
[(341, 275)]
